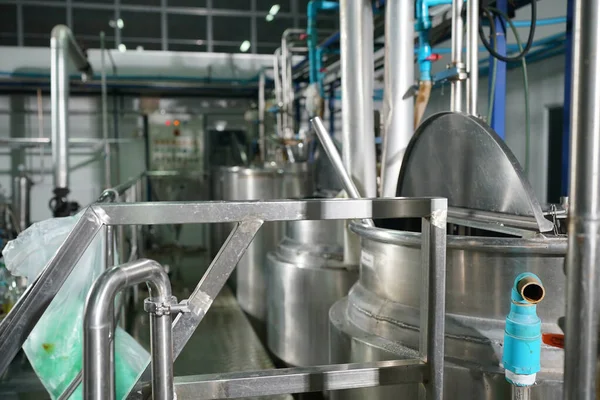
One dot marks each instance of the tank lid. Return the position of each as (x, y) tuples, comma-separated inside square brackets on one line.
[(459, 157)]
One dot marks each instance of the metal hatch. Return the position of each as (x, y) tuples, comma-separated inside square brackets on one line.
[(459, 157)]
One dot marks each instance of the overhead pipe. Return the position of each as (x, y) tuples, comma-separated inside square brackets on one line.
[(99, 329), (583, 251), (62, 48), (399, 75)]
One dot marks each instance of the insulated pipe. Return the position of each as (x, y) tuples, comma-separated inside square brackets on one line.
[(456, 87), (262, 144), (358, 138), (472, 55), (62, 47), (583, 252), (99, 330), (399, 77)]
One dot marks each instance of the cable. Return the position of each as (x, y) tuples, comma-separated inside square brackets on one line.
[(524, 51), (504, 16)]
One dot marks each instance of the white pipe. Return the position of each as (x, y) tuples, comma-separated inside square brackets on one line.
[(278, 94), (399, 76), (62, 46)]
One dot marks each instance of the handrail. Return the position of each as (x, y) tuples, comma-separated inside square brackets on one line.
[(17, 325)]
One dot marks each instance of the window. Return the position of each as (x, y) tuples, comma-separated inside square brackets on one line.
[(92, 22), (235, 29), (39, 21), (186, 26), (141, 24)]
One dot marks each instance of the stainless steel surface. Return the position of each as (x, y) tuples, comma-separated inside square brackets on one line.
[(63, 48), (21, 201), (356, 42), (305, 276), (209, 212), (380, 317), (99, 330), (109, 246), (239, 183), (433, 301), (17, 325), (486, 177), (521, 392), (472, 55), (287, 87), (399, 76), (299, 380), (583, 256), (456, 94)]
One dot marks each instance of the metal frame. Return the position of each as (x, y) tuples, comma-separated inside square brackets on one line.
[(250, 216)]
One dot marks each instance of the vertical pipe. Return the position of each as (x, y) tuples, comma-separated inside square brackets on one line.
[(161, 343), (278, 95), (109, 246), (456, 93), (498, 122), (521, 392), (284, 86), (262, 144), (399, 76), (358, 138), (433, 254), (21, 201), (583, 252), (472, 55), (107, 158), (566, 136), (59, 97)]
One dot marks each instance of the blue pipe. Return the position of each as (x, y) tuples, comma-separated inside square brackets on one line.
[(498, 122), (541, 22), (523, 331), (422, 26), (314, 6)]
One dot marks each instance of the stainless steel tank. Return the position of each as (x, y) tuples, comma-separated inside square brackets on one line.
[(243, 183), (306, 275), (379, 319), (504, 233)]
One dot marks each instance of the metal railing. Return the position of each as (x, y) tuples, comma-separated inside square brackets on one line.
[(107, 214)]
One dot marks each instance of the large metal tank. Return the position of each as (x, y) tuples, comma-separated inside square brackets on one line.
[(244, 183), (306, 275), (486, 188)]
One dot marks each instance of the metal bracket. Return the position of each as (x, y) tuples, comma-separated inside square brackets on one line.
[(454, 72), (161, 308)]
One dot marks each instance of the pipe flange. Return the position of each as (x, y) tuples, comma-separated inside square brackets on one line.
[(159, 308)]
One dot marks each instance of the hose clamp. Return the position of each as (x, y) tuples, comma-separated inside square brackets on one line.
[(166, 308)]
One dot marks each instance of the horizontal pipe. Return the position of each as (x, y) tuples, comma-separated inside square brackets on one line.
[(541, 22)]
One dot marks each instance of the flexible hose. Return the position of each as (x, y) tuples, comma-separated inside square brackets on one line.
[(524, 51)]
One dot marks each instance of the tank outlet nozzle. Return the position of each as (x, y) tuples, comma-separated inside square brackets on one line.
[(523, 331)]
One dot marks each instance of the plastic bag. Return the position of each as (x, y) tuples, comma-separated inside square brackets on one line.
[(55, 345)]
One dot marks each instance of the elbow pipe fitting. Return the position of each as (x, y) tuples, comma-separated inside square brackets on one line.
[(523, 333), (99, 330)]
